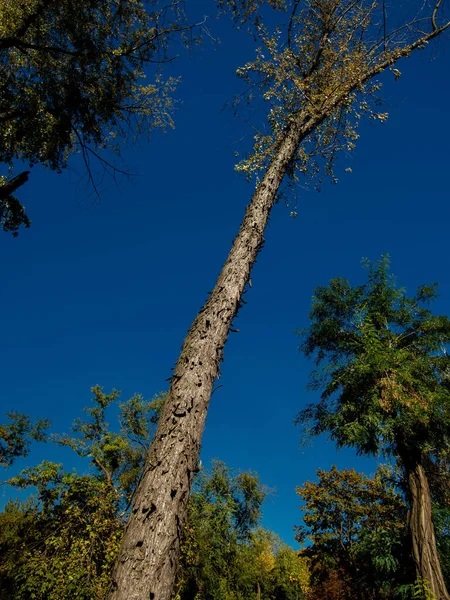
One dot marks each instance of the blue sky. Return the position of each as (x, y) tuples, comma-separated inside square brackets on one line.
[(106, 293)]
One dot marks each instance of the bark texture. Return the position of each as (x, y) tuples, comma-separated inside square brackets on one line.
[(425, 551), (147, 562)]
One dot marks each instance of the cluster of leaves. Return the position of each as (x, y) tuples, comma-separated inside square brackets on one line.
[(383, 367), (357, 526), (62, 542), (300, 67), (86, 61), (12, 211), (16, 436), (118, 456), (73, 79), (317, 64)]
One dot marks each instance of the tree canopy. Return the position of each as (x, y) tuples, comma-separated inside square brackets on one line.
[(382, 365), (357, 526), (73, 79)]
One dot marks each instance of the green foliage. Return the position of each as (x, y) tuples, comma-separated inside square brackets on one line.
[(73, 79), (12, 212), (224, 508), (421, 590), (63, 542), (118, 456), (225, 553), (16, 436), (290, 578), (357, 529), (441, 521), (382, 365)]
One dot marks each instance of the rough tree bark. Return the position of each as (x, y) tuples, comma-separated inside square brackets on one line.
[(420, 522), (147, 560), (425, 552)]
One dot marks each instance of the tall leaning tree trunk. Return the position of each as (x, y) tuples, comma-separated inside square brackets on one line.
[(426, 556), (147, 562)]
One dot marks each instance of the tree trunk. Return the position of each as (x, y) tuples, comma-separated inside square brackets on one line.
[(421, 526), (147, 561)]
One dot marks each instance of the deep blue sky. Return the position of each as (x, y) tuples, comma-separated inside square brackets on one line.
[(106, 294)]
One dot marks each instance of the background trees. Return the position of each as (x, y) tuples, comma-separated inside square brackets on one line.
[(63, 541), (16, 435), (384, 371)]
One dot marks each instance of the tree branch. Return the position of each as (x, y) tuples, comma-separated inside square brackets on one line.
[(11, 186), (434, 15)]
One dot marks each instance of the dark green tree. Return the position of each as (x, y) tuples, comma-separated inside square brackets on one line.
[(224, 510), (384, 370), (72, 80)]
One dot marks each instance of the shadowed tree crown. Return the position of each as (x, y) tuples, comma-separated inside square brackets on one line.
[(73, 80)]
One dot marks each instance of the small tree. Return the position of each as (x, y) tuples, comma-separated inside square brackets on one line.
[(219, 544), (314, 73), (384, 371), (63, 542)]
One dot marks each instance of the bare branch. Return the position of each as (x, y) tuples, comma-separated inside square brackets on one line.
[(106, 471), (291, 23), (15, 42), (434, 15), (11, 186)]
